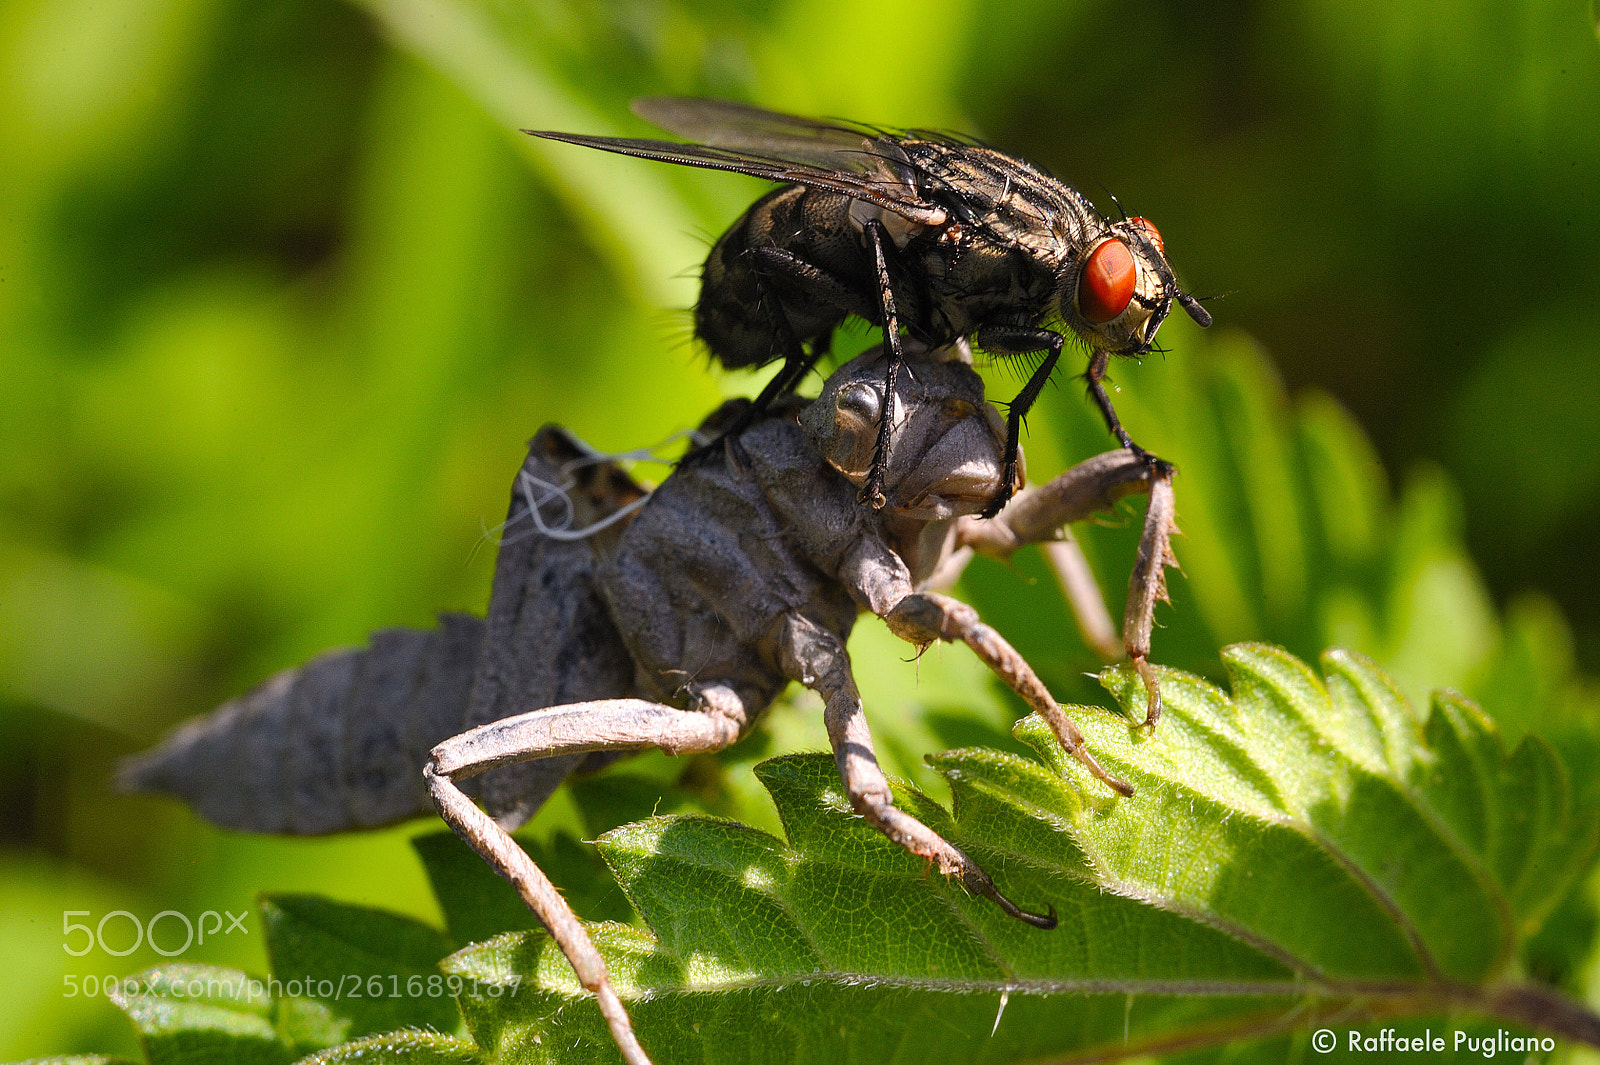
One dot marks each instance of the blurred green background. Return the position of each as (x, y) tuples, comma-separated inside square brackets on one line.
[(282, 292)]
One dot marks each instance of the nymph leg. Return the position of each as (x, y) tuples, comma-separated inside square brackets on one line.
[(603, 725), (817, 658), (1095, 484)]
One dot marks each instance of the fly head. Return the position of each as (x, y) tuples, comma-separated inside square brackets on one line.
[(1119, 291)]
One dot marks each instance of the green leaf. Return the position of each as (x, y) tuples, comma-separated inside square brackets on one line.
[(346, 971), (1419, 836), (1303, 846), (77, 1059), (478, 904), (192, 1014), (400, 1048)]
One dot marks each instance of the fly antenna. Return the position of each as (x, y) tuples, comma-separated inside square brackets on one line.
[(1191, 304), (1122, 215)]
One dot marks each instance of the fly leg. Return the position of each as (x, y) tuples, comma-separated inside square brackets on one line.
[(818, 283), (814, 281), (1019, 340), (603, 725), (797, 362), (1096, 375), (872, 491), (1095, 485), (777, 262), (772, 263), (818, 659), (795, 365), (923, 617)]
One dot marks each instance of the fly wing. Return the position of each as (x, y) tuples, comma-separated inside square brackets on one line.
[(837, 146), (859, 162)]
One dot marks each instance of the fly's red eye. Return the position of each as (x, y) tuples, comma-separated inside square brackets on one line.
[(1107, 282), (1151, 231)]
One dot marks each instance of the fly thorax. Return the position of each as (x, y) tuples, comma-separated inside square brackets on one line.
[(1074, 224)]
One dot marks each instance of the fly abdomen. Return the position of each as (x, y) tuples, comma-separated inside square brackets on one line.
[(776, 272), (336, 744)]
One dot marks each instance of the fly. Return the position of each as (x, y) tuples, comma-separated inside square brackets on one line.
[(917, 231)]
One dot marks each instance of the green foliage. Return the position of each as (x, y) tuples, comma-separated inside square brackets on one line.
[(187, 1013), (352, 964), (1299, 847), (409, 1047)]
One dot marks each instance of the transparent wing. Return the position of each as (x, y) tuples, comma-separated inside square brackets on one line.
[(833, 146), (824, 143), (858, 162)]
